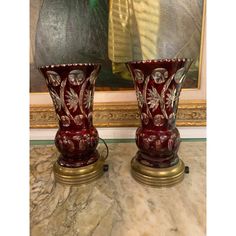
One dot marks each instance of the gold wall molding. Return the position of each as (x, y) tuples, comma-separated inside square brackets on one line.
[(117, 114)]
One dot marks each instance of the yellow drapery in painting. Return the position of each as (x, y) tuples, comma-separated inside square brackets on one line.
[(133, 32)]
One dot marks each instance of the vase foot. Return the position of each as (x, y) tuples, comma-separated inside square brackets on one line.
[(79, 175), (157, 177)]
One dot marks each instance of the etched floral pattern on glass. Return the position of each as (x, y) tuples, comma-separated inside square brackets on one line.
[(144, 118), (139, 77), (72, 99), (76, 77), (65, 121), (56, 99), (88, 98), (158, 120), (171, 97), (153, 98), (140, 98), (53, 78), (159, 75), (79, 119)]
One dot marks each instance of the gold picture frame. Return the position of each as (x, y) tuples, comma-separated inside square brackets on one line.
[(115, 114)]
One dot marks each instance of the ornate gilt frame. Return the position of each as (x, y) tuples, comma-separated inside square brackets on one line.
[(117, 114)]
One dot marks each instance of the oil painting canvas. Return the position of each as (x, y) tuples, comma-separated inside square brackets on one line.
[(83, 31)]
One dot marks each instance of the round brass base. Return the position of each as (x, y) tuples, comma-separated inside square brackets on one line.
[(157, 177), (79, 175)]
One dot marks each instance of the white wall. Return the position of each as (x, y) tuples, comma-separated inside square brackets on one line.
[(118, 133)]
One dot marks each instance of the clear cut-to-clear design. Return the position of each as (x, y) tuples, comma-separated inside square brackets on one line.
[(158, 84), (71, 87)]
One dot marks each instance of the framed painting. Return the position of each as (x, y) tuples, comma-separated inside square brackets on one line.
[(115, 101)]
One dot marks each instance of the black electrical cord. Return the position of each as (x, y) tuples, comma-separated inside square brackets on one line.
[(106, 147)]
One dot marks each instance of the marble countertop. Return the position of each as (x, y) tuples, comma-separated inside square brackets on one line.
[(116, 204)]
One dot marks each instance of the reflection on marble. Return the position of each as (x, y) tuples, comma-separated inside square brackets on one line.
[(116, 204)]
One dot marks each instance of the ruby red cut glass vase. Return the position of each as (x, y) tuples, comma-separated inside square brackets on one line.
[(71, 87), (158, 84)]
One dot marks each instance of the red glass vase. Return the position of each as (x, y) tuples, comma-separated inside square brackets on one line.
[(71, 87), (158, 84)]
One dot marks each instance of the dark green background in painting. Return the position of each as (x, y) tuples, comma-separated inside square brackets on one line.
[(71, 32)]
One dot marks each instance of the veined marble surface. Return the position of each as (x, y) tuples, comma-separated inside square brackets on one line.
[(116, 204)]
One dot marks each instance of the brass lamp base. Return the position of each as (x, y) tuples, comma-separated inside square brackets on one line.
[(79, 175), (157, 177)]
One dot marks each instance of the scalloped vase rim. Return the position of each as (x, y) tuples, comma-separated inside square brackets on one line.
[(159, 60), (68, 64)]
